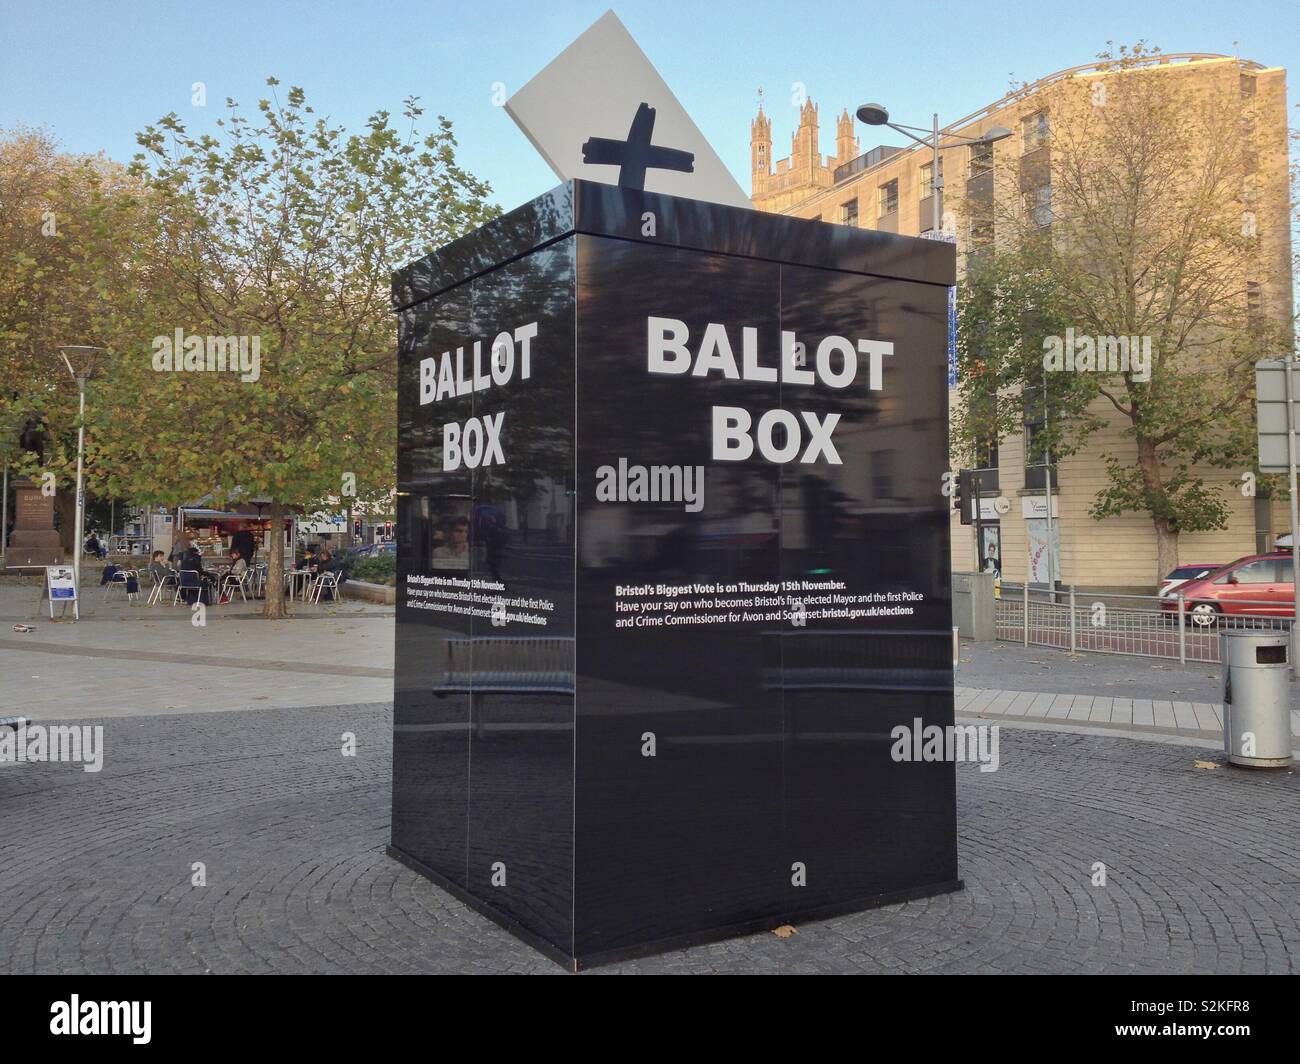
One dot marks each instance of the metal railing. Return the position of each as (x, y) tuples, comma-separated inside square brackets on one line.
[(1141, 625)]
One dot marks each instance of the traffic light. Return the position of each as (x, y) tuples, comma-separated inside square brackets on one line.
[(964, 494)]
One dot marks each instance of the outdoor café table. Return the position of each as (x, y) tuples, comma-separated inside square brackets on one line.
[(293, 576)]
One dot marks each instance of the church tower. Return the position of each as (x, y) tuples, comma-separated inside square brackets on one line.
[(760, 151), (846, 144), (805, 155)]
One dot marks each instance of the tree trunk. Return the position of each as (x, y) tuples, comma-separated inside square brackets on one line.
[(274, 606), (1166, 548), (1166, 534)]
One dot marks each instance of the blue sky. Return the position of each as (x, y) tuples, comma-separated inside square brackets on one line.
[(96, 72)]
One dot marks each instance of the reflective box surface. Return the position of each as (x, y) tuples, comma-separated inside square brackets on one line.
[(672, 566)]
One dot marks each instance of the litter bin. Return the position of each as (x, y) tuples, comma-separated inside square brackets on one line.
[(1256, 698)]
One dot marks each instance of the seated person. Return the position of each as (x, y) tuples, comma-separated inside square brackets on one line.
[(158, 567), (193, 563), (234, 575), (325, 563)]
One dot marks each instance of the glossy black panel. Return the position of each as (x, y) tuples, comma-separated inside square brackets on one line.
[(536, 672), (875, 529), (607, 210), (611, 211), (502, 240), (684, 840), (430, 708), (521, 558)]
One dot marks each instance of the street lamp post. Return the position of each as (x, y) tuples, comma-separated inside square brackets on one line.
[(874, 114), (85, 368)]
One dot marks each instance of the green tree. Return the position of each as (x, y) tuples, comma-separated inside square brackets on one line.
[(73, 230), (278, 233)]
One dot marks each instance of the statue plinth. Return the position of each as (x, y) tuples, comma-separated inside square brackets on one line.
[(33, 542)]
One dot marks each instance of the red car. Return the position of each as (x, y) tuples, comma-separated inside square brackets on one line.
[(1183, 573), (1259, 585)]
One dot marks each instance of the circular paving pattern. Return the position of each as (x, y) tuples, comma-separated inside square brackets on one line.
[(1202, 865)]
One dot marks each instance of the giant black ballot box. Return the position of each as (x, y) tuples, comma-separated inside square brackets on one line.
[(673, 571)]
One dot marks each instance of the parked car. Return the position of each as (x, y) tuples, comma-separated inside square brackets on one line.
[(1184, 573), (387, 546), (1258, 585)]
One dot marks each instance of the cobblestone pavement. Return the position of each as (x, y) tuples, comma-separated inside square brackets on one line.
[(1203, 864)]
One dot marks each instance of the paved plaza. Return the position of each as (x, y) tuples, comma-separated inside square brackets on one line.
[(1203, 873), (132, 659), (223, 747)]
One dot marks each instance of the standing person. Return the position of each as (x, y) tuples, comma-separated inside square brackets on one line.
[(180, 548), (244, 542)]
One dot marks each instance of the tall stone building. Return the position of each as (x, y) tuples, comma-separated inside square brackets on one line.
[(805, 169), (890, 187)]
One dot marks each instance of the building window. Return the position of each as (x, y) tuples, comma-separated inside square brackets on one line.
[(984, 457), (927, 178), (1247, 86), (849, 212), (981, 159), (1034, 130), (889, 197), (986, 466), (1036, 467), (1254, 302), (1038, 204)]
